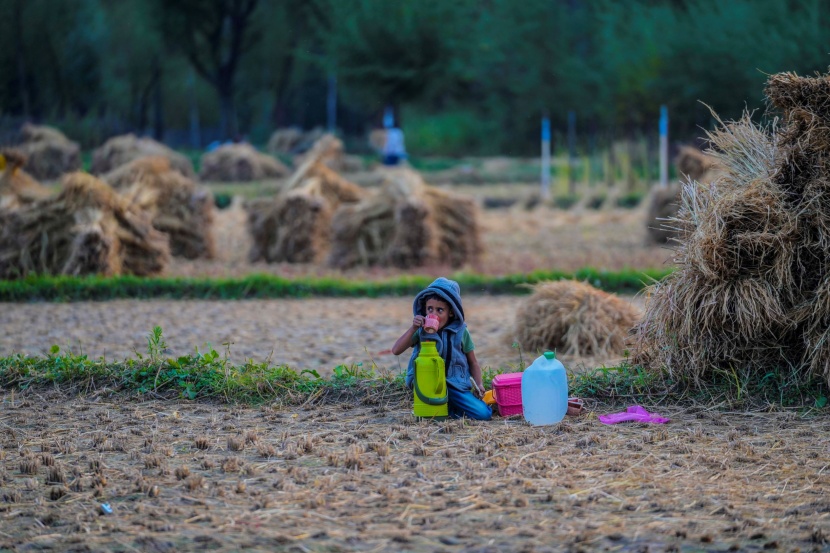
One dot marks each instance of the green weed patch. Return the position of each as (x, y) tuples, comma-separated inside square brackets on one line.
[(65, 288)]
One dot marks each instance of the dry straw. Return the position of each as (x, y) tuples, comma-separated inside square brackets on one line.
[(574, 318), (295, 226), (240, 163), (752, 292), (178, 207), (50, 153), (17, 188), (404, 224), (120, 150), (86, 229)]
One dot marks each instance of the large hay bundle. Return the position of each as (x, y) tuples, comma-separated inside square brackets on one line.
[(752, 293), (295, 226), (240, 163), (284, 141), (406, 224), (329, 150), (17, 188), (663, 203), (574, 318), (123, 149), (49, 152), (292, 140), (178, 207), (693, 164), (86, 229)]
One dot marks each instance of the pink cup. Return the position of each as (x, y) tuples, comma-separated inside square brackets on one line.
[(431, 324)]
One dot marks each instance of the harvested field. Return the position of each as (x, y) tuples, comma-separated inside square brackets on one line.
[(364, 476), (514, 241)]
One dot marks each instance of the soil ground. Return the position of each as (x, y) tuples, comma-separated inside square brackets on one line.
[(355, 476), (364, 475)]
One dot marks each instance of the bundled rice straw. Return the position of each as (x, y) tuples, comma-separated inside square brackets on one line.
[(120, 150), (284, 141), (329, 150), (17, 188), (752, 293), (574, 318), (295, 226), (178, 207), (49, 152), (663, 203), (406, 224), (86, 229), (240, 163), (693, 164)]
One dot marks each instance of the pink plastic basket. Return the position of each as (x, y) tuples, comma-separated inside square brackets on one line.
[(507, 390)]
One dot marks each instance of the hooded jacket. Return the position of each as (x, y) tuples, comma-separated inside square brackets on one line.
[(448, 339)]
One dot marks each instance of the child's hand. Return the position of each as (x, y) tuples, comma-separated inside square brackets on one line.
[(418, 321)]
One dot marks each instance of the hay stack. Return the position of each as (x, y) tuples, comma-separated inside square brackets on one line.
[(17, 188), (693, 164), (406, 224), (295, 226), (240, 163), (284, 141), (86, 229), (123, 149), (663, 203), (178, 207), (50, 153), (752, 293), (574, 318), (329, 150)]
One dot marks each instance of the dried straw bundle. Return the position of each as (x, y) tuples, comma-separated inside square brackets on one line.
[(178, 207), (17, 188), (694, 164), (295, 226), (284, 141), (574, 318), (50, 153), (753, 290), (86, 229), (120, 150), (329, 150), (663, 203), (240, 163), (406, 224)]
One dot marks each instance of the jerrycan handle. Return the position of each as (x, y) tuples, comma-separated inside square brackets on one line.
[(426, 399)]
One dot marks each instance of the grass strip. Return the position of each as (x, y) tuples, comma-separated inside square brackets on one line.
[(209, 376), (263, 286)]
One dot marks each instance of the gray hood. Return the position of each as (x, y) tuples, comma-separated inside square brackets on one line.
[(448, 289)]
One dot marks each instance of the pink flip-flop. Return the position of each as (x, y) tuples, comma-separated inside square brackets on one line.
[(634, 413)]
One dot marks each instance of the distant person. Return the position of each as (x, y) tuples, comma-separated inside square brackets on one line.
[(394, 150)]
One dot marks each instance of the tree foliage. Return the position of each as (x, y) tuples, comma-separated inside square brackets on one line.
[(487, 68)]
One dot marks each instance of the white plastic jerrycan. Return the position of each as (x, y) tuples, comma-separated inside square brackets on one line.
[(545, 391)]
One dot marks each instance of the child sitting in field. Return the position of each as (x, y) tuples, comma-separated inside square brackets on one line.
[(442, 298)]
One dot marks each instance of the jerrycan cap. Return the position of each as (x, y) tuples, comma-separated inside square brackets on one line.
[(550, 355)]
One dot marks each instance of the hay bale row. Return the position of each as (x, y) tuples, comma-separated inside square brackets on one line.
[(752, 290), (49, 152), (120, 150), (240, 163), (404, 224), (574, 318), (294, 227), (177, 206), (86, 229), (694, 164), (17, 188)]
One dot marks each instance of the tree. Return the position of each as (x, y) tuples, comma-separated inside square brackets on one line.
[(391, 52), (214, 35)]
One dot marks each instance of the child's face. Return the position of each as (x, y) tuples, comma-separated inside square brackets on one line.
[(441, 310)]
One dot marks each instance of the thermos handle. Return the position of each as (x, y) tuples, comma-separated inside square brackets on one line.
[(441, 385), (420, 394)]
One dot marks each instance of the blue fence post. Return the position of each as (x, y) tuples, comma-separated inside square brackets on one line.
[(545, 158), (664, 146)]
